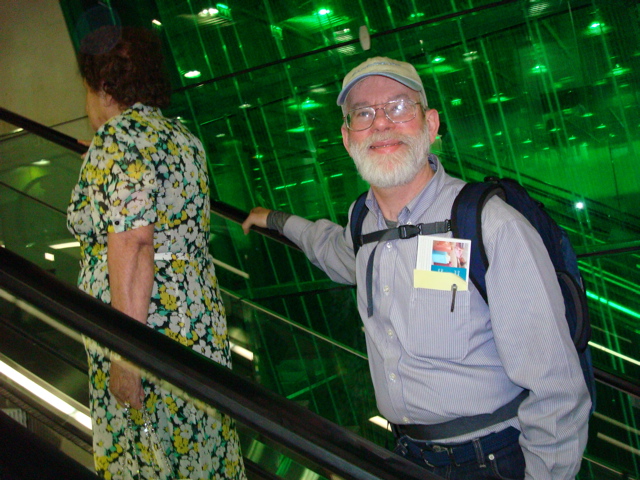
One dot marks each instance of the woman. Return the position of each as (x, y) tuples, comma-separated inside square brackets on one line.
[(141, 213)]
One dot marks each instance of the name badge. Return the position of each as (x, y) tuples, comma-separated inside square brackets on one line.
[(442, 262)]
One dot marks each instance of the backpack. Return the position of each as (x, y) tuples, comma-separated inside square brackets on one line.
[(465, 222)]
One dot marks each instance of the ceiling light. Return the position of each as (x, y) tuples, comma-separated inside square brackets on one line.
[(470, 56), (300, 129), (44, 394), (243, 352), (60, 246), (192, 74), (597, 28), (537, 7), (381, 422), (208, 11), (618, 70), (498, 98)]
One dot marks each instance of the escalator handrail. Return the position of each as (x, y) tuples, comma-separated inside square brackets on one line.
[(236, 215), (328, 445), (47, 133), (612, 380)]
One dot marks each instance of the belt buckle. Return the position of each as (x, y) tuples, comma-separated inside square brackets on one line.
[(448, 450), (426, 461)]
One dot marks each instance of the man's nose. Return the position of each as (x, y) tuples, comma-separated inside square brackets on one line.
[(380, 119)]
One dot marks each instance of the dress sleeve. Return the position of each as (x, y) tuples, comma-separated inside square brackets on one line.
[(130, 186)]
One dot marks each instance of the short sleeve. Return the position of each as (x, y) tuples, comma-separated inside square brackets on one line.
[(130, 186)]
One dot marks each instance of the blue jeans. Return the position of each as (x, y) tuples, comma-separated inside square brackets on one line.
[(505, 463)]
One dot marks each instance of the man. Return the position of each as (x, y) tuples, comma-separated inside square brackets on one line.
[(441, 358)]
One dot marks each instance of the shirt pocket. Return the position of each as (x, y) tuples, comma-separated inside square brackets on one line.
[(439, 324)]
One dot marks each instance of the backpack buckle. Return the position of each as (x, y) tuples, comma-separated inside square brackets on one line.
[(408, 231)]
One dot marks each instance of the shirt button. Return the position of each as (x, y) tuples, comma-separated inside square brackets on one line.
[(386, 289), (392, 377), (405, 419), (390, 332), (388, 245)]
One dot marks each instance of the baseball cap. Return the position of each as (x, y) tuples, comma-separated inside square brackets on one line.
[(402, 72)]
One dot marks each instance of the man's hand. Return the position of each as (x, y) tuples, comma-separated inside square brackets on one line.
[(125, 384), (258, 217)]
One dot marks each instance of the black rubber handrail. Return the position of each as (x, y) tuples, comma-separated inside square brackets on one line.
[(333, 448), (47, 133), (612, 380), (236, 215)]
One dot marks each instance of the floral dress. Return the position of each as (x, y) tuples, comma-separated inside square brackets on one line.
[(142, 169)]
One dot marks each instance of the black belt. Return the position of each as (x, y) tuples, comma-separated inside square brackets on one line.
[(437, 455), (462, 425)]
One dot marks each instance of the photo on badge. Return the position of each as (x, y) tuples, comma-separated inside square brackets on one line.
[(449, 255)]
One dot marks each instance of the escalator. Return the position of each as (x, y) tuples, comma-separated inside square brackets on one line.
[(293, 333), (41, 307)]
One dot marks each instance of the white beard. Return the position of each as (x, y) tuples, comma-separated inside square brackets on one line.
[(393, 169)]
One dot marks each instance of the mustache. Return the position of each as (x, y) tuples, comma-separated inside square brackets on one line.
[(385, 137)]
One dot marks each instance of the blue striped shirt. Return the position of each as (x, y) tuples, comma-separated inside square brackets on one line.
[(430, 365)]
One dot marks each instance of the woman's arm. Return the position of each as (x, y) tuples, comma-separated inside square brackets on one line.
[(131, 272)]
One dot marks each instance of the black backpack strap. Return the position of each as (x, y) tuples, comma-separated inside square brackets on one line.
[(358, 213), (464, 425), (407, 231), (466, 222)]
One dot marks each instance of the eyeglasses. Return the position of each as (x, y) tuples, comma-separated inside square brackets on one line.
[(397, 111)]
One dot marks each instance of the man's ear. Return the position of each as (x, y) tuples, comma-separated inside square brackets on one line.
[(345, 136), (432, 118)]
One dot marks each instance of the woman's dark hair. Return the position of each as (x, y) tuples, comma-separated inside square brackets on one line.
[(127, 63)]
